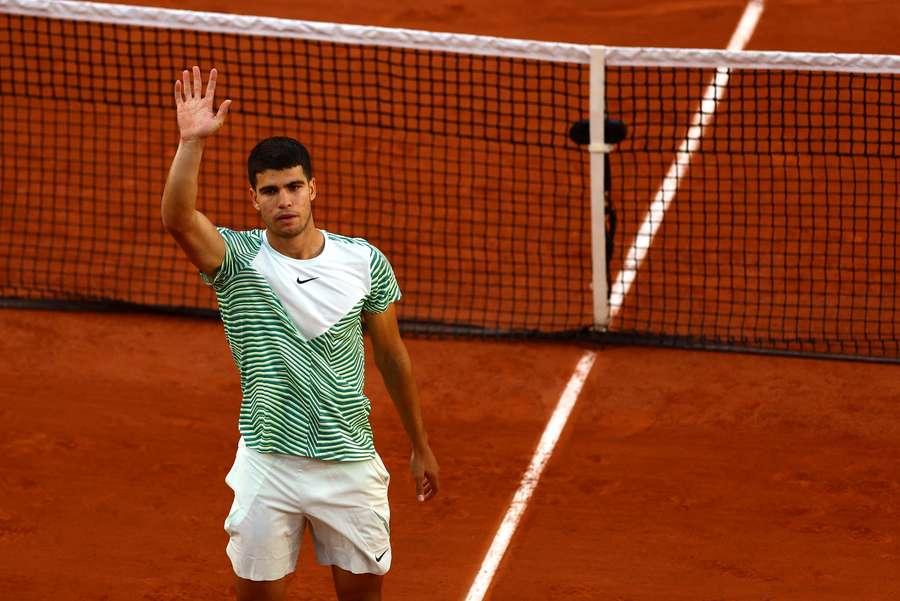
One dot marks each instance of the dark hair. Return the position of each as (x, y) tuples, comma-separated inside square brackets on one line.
[(278, 153)]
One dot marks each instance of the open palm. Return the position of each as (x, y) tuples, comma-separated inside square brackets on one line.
[(196, 118)]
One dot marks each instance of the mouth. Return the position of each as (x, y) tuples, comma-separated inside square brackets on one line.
[(286, 217)]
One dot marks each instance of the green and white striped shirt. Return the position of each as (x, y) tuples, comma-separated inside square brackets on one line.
[(295, 333)]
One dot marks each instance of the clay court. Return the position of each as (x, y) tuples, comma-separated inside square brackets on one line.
[(681, 475)]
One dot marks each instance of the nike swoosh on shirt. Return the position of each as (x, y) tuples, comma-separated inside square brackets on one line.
[(378, 557), (299, 281)]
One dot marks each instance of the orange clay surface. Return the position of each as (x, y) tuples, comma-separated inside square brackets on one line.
[(681, 475)]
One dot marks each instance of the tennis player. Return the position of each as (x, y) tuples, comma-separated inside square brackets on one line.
[(292, 299)]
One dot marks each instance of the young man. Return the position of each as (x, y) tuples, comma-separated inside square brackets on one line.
[(292, 298)]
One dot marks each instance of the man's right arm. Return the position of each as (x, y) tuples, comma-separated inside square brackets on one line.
[(197, 236), (194, 232)]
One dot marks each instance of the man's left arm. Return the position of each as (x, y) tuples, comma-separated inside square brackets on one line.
[(395, 366)]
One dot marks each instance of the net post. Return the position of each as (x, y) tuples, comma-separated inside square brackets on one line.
[(598, 149)]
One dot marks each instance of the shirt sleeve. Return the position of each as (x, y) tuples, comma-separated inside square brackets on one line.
[(384, 289), (238, 246)]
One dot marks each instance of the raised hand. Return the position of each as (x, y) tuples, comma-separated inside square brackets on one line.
[(196, 118)]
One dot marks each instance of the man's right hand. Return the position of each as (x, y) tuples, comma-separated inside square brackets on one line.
[(196, 119), (197, 236)]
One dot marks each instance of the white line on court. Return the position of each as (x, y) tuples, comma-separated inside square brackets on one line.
[(679, 167), (635, 257), (530, 480)]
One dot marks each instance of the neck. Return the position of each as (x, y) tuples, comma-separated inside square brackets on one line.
[(307, 244)]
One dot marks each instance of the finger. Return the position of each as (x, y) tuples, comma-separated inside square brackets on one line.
[(433, 480), (179, 99), (429, 493), (223, 111), (211, 86), (420, 489), (186, 84), (429, 487), (198, 82)]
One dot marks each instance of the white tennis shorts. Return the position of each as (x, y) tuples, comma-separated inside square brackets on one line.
[(276, 496)]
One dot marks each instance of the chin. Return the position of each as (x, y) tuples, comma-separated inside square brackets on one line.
[(286, 231)]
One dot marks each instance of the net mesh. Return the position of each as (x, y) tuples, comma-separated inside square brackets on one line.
[(458, 167), (781, 234)]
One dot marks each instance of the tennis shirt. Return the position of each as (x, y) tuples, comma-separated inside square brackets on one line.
[(295, 332)]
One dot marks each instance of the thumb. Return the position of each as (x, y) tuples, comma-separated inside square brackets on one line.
[(420, 488), (223, 111)]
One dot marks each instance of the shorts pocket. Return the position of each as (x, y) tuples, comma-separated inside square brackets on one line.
[(380, 468), (245, 478), (372, 524)]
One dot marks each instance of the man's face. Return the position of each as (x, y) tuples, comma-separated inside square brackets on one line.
[(283, 199)]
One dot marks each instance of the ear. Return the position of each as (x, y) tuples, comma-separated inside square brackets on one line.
[(253, 198), (312, 189)]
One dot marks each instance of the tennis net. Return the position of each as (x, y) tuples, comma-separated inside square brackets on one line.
[(456, 165), (758, 201), (452, 154)]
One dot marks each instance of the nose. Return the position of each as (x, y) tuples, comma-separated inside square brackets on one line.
[(284, 199)]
